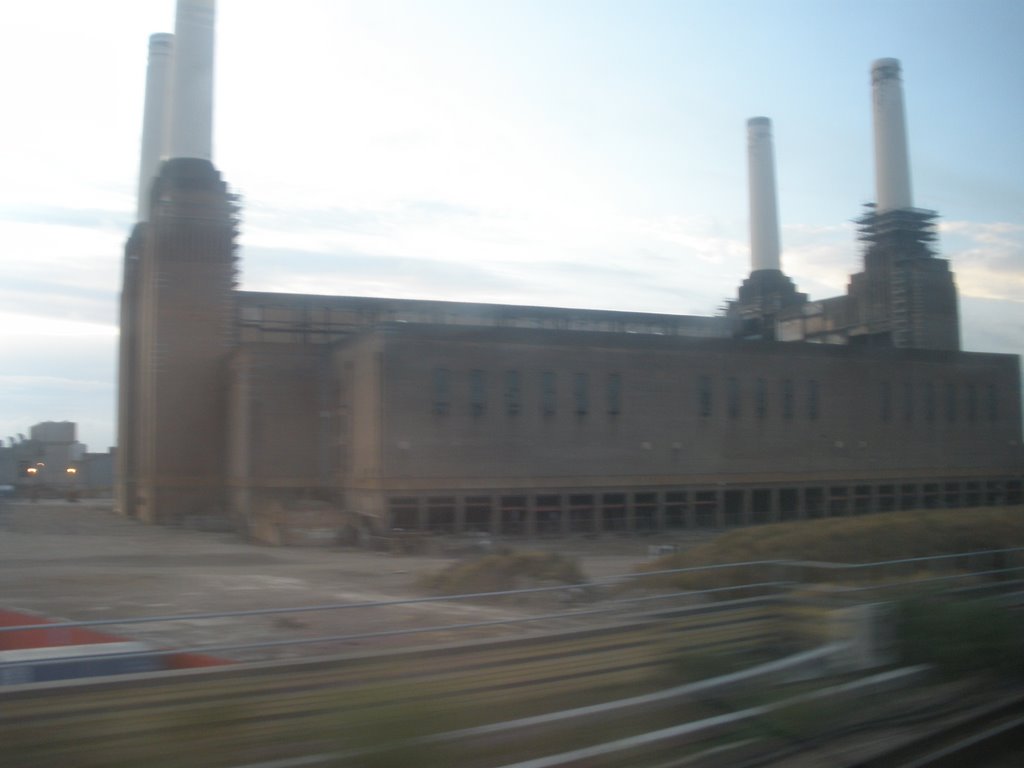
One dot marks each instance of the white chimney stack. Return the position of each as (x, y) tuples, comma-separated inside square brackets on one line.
[(892, 166), (764, 211), (154, 118), (190, 123)]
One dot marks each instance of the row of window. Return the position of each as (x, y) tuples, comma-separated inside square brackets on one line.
[(977, 401), (923, 399), (796, 399), (581, 385), (618, 510), (734, 401), (512, 392)]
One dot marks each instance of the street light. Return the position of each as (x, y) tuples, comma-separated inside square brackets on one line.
[(72, 491), (33, 475)]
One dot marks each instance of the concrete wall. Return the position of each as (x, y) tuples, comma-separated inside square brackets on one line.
[(279, 425)]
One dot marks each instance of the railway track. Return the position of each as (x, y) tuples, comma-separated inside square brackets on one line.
[(931, 724), (255, 711), (587, 695), (988, 735)]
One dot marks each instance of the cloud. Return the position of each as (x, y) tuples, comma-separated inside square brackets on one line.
[(20, 327), (440, 250), (54, 215), (991, 325), (361, 273), (82, 391), (820, 258), (32, 384), (987, 257), (61, 270)]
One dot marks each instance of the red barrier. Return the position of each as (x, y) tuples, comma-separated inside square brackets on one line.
[(46, 637)]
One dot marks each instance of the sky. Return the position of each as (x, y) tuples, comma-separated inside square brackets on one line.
[(577, 153)]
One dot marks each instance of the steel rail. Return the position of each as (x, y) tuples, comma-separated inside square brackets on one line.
[(583, 586), (609, 608), (675, 734), (383, 604), (969, 747), (155, 712), (766, 671), (955, 741)]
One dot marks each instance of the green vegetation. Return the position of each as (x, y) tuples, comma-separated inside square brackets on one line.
[(961, 636), (503, 571)]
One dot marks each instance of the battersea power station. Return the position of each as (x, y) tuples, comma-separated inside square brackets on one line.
[(449, 416)]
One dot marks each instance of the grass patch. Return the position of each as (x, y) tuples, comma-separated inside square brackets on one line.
[(505, 571)]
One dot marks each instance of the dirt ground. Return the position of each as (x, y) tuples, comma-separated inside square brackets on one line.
[(82, 562)]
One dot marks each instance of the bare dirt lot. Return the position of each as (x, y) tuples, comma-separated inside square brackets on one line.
[(83, 562)]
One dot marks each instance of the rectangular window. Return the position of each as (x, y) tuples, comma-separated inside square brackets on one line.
[(761, 398), (788, 396), (929, 402), (547, 393), (908, 402), (885, 401), (812, 399), (972, 403), (581, 393), (675, 509), (704, 402), (732, 393), (442, 391), (441, 514), (614, 394), (950, 402), (513, 397), (404, 513), (477, 393)]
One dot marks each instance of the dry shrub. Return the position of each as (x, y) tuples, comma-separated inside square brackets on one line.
[(867, 539), (510, 570)]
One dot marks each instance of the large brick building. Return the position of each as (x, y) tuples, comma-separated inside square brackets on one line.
[(510, 419), (506, 429)]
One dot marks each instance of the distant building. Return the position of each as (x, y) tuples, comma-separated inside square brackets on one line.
[(509, 419), (51, 462)]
